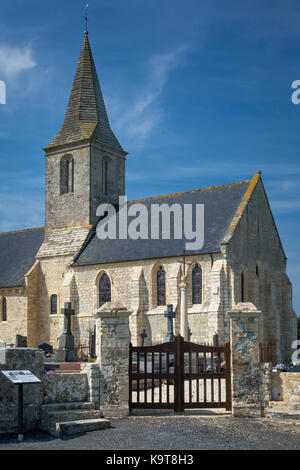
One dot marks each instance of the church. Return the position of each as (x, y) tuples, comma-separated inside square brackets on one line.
[(242, 258)]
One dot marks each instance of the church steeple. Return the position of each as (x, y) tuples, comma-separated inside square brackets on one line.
[(85, 164), (86, 116)]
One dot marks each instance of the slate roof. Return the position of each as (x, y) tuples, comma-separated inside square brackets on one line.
[(17, 255), (220, 207), (86, 115)]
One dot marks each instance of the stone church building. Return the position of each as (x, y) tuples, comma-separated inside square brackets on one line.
[(242, 259)]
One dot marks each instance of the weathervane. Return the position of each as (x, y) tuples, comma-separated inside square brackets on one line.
[(86, 17)]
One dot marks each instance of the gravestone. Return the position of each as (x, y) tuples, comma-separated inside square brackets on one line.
[(66, 351), (170, 315), (21, 341), (143, 335), (92, 343), (215, 340)]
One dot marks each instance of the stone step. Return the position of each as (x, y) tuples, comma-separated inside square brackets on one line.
[(72, 405), (283, 413), (284, 405), (70, 428), (70, 415)]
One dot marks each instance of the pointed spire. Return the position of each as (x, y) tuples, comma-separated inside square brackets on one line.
[(86, 116)]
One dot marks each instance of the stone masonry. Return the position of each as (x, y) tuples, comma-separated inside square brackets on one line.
[(112, 330)]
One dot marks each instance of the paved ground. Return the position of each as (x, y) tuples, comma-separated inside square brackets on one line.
[(191, 430)]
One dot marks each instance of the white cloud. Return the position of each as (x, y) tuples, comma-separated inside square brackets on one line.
[(14, 60), (145, 112)]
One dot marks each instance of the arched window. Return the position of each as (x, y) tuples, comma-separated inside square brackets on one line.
[(104, 289), (4, 309), (161, 286), (53, 304), (66, 174), (197, 284)]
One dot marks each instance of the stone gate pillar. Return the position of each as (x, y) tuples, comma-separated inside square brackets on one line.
[(245, 360), (112, 349)]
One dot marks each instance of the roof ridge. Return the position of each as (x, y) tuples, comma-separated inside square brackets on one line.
[(191, 191), (242, 207), (22, 230)]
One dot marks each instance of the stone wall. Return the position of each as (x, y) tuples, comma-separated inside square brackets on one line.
[(66, 387), (247, 376), (92, 371), (286, 387), (112, 331), (20, 359), (16, 314)]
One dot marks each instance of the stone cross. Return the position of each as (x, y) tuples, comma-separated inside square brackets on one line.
[(66, 351), (143, 335), (170, 315), (68, 312)]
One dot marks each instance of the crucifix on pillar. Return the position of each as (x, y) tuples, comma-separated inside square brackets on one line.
[(66, 351), (68, 312), (170, 315)]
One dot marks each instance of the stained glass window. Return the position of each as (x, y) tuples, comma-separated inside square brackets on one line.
[(53, 302), (197, 284), (4, 313), (104, 290), (161, 286)]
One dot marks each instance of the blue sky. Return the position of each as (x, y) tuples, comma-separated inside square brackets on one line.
[(198, 93)]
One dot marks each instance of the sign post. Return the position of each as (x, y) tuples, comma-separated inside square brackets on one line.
[(20, 377)]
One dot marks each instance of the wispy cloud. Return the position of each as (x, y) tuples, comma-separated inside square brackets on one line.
[(145, 111), (14, 60)]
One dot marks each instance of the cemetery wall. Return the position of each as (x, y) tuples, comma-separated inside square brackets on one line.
[(66, 387)]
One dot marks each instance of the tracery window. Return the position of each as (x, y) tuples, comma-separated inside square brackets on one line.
[(104, 289), (161, 286), (197, 284)]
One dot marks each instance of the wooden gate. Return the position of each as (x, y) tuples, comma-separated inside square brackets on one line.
[(179, 375)]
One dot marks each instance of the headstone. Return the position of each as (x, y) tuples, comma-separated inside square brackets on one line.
[(66, 351), (47, 348), (21, 341), (215, 340), (170, 315), (143, 335), (2, 344), (92, 343)]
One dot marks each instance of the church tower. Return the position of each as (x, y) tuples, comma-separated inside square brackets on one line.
[(85, 164)]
